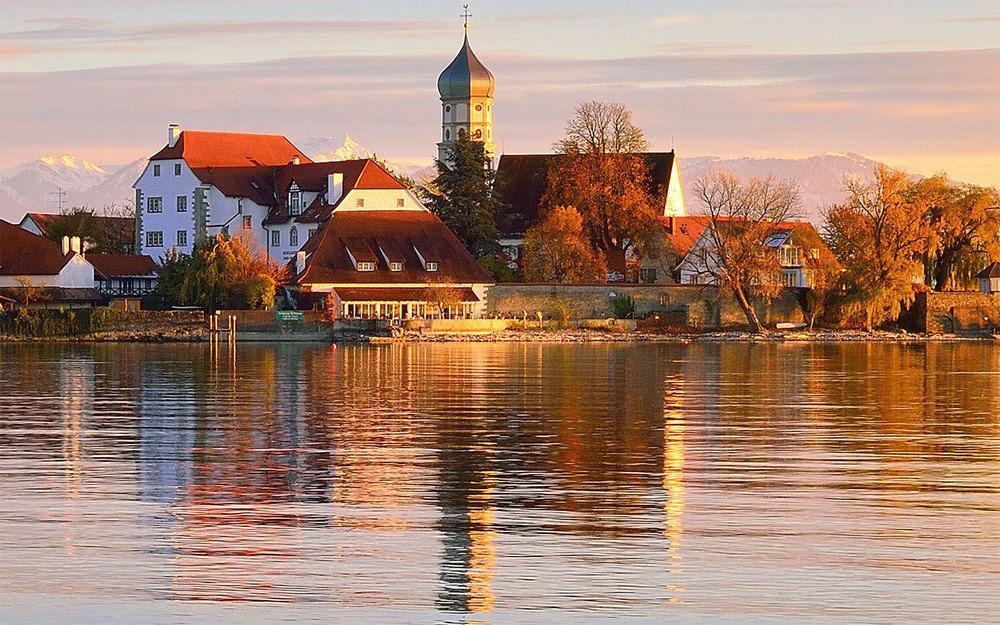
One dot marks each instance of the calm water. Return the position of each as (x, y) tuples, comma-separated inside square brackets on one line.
[(457, 483)]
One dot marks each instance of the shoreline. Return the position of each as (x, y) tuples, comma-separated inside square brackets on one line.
[(566, 336)]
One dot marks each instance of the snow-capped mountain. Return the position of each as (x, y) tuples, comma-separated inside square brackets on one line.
[(33, 186), (820, 178)]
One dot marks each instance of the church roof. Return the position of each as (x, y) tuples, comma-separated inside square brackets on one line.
[(200, 148), (466, 76), (521, 180), (397, 233)]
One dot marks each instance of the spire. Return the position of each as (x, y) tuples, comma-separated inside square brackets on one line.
[(466, 15)]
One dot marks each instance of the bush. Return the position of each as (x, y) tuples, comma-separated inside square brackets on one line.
[(623, 306), (563, 310)]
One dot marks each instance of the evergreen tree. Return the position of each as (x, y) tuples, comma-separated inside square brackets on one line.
[(462, 196)]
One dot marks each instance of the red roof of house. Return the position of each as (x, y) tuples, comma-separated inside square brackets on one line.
[(24, 253), (200, 148), (327, 261), (398, 294), (122, 265), (683, 232)]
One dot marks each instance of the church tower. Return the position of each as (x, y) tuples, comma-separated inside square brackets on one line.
[(466, 89)]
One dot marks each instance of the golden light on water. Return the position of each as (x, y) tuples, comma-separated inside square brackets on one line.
[(673, 484)]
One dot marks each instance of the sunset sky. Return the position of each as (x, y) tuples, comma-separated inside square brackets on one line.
[(915, 83)]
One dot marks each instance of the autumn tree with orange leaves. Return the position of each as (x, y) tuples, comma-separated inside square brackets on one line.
[(604, 178), (557, 250), (880, 236)]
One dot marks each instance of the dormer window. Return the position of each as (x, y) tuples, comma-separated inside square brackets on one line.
[(366, 266), (431, 266), (294, 202), (395, 266)]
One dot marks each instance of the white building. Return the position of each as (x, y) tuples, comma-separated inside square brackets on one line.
[(60, 274)]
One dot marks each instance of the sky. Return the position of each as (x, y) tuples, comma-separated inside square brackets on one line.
[(915, 83)]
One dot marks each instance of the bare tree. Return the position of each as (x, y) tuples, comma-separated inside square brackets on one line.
[(602, 128), (733, 252)]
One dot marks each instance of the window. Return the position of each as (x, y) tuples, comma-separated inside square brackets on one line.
[(400, 202), (154, 238), (447, 108), (479, 107), (177, 169), (447, 134), (366, 266), (275, 238), (395, 266), (247, 222), (431, 266), (647, 275), (294, 202), (182, 203), (293, 236), (154, 205), (479, 133), (182, 238), (360, 203), (156, 170)]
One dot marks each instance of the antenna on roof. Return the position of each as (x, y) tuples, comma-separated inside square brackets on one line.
[(60, 194)]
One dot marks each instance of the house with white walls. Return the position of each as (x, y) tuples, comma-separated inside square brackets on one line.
[(182, 195), (55, 275)]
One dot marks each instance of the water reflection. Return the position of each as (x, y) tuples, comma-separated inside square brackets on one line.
[(469, 481)]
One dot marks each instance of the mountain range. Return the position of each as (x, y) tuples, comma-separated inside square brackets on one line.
[(35, 186)]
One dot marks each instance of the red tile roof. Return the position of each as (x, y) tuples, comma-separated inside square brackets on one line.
[(230, 149), (398, 294), (121, 265), (327, 261), (683, 232), (24, 253)]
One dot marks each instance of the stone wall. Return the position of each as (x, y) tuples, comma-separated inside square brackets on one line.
[(955, 312), (697, 305)]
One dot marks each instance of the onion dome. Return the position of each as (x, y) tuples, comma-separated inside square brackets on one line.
[(466, 77)]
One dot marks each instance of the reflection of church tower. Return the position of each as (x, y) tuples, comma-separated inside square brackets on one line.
[(466, 89)]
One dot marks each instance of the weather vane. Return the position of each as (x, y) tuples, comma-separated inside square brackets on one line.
[(466, 15)]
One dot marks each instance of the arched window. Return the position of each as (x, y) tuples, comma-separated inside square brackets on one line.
[(479, 107), (479, 133), (447, 134), (461, 132), (293, 236), (447, 109)]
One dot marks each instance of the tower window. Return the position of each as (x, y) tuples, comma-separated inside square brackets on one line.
[(479, 107), (479, 133), (447, 134), (447, 109)]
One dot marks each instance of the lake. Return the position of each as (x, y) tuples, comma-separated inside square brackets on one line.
[(500, 483)]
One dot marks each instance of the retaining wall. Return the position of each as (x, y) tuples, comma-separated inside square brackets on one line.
[(955, 312), (696, 305)]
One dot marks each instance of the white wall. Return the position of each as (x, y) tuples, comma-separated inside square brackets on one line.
[(168, 186), (77, 274), (675, 195)]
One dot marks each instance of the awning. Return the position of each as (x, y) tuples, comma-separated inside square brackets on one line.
[(405, 294)]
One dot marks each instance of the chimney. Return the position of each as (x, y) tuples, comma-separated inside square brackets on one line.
[(65, 245), (670, 224), (295, 160), (173, 133), (334, 188), (300, 262), (74, 245)]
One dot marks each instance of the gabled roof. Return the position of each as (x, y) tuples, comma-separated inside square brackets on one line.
[(991, 271), (327, 261), (115, 227), (684, 232), (24, 253), (358, 174), (122, 265), (201, 148), (521, 181)]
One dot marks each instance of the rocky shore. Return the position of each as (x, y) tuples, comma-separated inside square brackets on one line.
[(597, 336)]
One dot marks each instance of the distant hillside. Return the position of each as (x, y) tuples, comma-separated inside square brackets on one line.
[(33, 186)]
